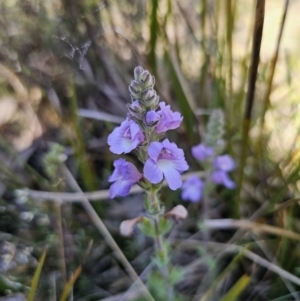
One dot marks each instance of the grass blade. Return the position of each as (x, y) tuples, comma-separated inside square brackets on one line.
[(237, 289), (70, 284), (36, 277)]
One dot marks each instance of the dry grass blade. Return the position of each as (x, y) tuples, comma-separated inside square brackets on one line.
[(245, 224), (272, 267), (99, 116), (286, 204)]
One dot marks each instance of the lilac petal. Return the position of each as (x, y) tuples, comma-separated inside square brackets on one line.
[(169, 120), (192, 189), (152, 117), (225, 163), (152, 172), (120, 188), (171, 174), (117, 173), (191, 194), (201, 152), (154, 150), (222, 178), (124, 176), (130, 173), (134, 129), (177, 156)]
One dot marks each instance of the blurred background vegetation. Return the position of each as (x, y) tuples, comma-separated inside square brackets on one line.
[(65, 67)]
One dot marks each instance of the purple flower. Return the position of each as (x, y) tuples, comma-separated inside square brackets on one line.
[(152, 117), (201, 152), (124, 176), (221, 177), (165, 160), (192, 189), (169, 120), (225, 163), (125, 138)]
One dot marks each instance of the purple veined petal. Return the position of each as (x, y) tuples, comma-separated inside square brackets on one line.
[(225, 163), (152, 117), (174, 154), (154, 150), (180, 164), (171, 174), (120, 188), (152, 172), (167, 160), (202, 152)]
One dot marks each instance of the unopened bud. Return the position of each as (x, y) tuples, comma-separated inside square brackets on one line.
[(127, 227), (178, 212), (146, 79), (135, 89), (137, 72), (150, 99)]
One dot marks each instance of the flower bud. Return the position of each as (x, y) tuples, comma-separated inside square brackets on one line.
[(135, 89), (150, 99), (178, 212), (146, 79), (136, 112), (137, 72), (127, 227)]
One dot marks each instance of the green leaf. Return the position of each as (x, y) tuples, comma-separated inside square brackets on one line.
[(164, 226), (147, 227)]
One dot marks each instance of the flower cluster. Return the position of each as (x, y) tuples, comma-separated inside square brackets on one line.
[(142, 131), (218, 168)]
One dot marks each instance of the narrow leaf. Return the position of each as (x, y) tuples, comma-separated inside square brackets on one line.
[(36, 277), (70, 284), (237, 289)]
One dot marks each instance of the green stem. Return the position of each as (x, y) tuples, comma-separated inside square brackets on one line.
[(162, 250)]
